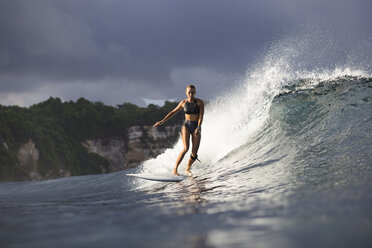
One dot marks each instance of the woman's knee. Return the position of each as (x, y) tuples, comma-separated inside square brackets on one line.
[(185, 149)]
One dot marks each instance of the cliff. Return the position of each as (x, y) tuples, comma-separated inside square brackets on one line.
[(141, 143), (59, 139)]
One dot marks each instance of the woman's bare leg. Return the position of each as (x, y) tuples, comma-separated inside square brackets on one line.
[(185, 133), (195, 147)]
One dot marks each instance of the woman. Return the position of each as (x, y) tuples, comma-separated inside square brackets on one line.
[(194, 111)]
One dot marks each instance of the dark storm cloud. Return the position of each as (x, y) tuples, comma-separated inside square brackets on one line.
[(147, 43), (135, 39)]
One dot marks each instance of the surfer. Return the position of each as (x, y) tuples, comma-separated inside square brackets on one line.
[(194, 111)]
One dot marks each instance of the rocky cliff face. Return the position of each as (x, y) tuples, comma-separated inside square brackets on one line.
[(141, 143), (28, 156)]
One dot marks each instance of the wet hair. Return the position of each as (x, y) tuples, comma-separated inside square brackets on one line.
[(191, 86)]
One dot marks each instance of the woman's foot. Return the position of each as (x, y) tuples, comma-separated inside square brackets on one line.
[(188, 173), (174, 172)]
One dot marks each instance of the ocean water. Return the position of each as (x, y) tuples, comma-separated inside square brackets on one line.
[(290, 166), (286, 162)]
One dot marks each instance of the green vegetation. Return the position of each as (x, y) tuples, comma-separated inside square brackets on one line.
[(58, 129)]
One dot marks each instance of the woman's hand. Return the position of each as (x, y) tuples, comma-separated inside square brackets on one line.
[(197, 131), (158, 123)]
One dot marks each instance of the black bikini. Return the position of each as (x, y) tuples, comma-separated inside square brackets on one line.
[(191, 108)]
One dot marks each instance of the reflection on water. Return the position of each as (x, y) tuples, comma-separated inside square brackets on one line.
[(186, 196)]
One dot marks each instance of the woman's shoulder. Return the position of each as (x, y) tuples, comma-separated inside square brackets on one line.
[(182, 102), (199, 101)]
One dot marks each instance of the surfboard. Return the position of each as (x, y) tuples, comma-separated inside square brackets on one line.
[(165, 177)]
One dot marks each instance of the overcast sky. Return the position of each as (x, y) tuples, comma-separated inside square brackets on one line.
[(118, 51)]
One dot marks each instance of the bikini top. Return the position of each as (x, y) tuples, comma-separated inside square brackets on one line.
[(191, 107)]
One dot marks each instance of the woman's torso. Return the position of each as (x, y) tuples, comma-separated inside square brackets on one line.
[(191, 110)]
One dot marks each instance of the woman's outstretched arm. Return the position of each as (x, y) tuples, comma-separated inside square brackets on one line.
[(170, 114)]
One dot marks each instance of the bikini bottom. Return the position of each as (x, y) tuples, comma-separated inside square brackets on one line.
[(190, 125)]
